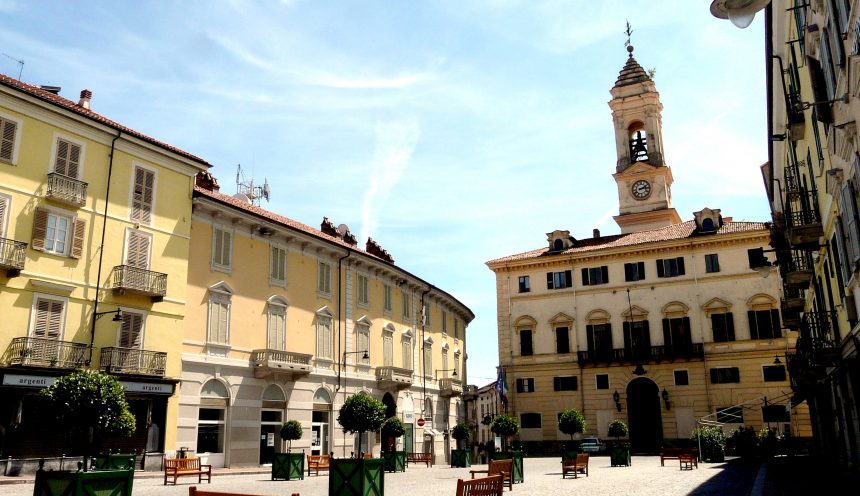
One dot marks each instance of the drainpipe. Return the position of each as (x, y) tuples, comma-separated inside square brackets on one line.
[(423, 363), (339, 315), (101, 250)]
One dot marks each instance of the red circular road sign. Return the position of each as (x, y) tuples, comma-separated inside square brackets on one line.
[(420, 422)]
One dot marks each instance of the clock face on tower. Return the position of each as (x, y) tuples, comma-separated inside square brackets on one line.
[(641, 189)]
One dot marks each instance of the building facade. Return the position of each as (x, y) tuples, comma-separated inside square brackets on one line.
[(95, 223), (665, 326), (287, 321)]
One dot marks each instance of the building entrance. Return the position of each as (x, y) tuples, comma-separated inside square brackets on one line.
[(319, 434), (645, 418)]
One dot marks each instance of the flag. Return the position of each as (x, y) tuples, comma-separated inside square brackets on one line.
[(502, 386)]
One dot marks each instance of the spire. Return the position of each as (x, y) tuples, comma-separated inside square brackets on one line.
[(632, 72)]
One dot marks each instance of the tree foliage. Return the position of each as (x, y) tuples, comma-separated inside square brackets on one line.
[(291, 431), (361, 413), (572, 422), (393, 427), (505, 425), (461, 431), (89, 399), (617, 428)]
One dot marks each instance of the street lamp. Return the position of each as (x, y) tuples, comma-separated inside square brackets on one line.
[(740, 12), (617, 398), (116, 318), (436, 372), (343, 363)]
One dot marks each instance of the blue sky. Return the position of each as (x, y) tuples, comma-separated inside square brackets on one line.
[(452, 132)]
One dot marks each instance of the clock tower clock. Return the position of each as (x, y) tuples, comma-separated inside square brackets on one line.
[(644, 180)]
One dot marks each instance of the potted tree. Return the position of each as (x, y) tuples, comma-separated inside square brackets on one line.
[(462, 455), (289, 465), (712, 443), (91, 405), (394, 461), (507, 426), (571, 422), (358, 476), (619, 453)]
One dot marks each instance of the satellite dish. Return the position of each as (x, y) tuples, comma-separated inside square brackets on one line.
[(242, 197)]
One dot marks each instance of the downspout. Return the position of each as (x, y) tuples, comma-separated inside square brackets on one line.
[(339, 355), (768, 48), (101, 251), (423, 362), (701, 327)]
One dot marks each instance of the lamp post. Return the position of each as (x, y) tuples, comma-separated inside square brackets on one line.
[(116, 318), (340, 367)]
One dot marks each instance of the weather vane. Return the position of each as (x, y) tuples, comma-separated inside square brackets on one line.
[(628, 32)]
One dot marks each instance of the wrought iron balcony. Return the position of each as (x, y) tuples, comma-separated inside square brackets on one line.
[(12, 256), (819, 332), (67, 190), (450, 387), (128, 279), (267, 362), (803, 221), (595, 357), (796, 267), (642, 354), (133, 361), (803, 372), (45, 352), (393, 377)]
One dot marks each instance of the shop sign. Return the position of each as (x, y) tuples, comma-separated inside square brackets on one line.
[(147, 387), (33, 381)]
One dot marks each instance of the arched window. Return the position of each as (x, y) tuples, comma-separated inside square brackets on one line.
[(677, 337), (598, 334), (763, 317), (211, 420), (524, 328), (638, 142)]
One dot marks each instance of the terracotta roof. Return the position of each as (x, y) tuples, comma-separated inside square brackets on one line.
[(59, 101), (632, 72), (683, 230)]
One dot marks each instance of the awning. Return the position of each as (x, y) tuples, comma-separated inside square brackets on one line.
[(431, 432)]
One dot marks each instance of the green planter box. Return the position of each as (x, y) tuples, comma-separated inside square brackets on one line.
[(356, 477), (517, 457), (80, 483), (461, 458), (114, 462), (395, 461), (288, 466), (619, 455)]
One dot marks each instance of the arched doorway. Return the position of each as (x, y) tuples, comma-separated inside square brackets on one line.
[(320, 422), (644, 416), (389, 443)]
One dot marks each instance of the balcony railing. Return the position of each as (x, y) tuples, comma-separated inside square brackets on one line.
[(67, 190), (643, 354), (803, 221), (45, 352), (796, 267), (820, 334), (450, 387), (12, 256), (133, 361), (128, 279), (393, 377), (267, 362)]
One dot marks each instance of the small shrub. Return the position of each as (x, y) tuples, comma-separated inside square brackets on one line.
[(572, 422), (461, 432), (617, 429), (291, 431), (712, 441)]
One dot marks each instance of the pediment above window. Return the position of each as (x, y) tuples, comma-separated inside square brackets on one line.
[(324, 312), (525, 321), (561, 318), (716, 305), (675, 309), (364, 321), (221, 287)]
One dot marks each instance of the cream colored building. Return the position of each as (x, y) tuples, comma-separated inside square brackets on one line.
[(280, 316), (664, 326)]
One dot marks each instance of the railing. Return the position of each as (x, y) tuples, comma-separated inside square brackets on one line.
[(450, 386), (12, 256), (67, 189), (394, 374), (820, 331), (141, 281), (45, 352), (642, 354), (267, 361), (133, 361)]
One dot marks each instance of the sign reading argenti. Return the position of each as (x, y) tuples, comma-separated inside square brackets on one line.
[(38, 381)]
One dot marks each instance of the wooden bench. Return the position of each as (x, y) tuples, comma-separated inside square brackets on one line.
[(179, 467), (676, 453), (415, 457), (505, 468), (484, 486), (193, 491), (318, 462), (578, 465), (687, 461)]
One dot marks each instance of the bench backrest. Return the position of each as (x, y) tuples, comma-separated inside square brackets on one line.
[(496, 467), (193, 491), (582, 458), (484, 486), (319, 460), (182, 463)]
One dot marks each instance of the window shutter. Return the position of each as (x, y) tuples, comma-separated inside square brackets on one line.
[(67, 159), (589, 337), (141, 206), (4, 205), (226, 239), (827, 64), (680, 266), (628, 272), (836, 45), (777, 325), (223, 322), (138, 250), (549, 280), (40, 228), (130, 330), (646, 334), (641, 271), (49, 315), (849, 218), (604, 271), (819, 91), (568, 279), (628, 341), (667, 333), (688, 338), (585, 277), (660, 268), (730, 326), (7, 139), (80, 227), (752, 323)]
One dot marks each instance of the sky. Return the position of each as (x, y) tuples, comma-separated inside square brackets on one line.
[(451, 132)]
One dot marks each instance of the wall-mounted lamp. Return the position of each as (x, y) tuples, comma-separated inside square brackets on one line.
[(801, 106), (436, 372), (776, 360), (617, 398), (639, 370), (343, 362), (116, 318), (665, 395), (740, 12)]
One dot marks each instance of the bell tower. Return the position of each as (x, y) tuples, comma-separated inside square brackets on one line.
[(643, 178)]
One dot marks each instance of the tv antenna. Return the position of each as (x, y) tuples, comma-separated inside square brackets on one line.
[(249, 189), (20, 64)]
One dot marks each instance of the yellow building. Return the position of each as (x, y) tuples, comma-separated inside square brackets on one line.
[(95, 221), (286, 321), (664, 326)]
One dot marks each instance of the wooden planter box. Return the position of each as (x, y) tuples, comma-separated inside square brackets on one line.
[(356, 477), (619, 455), (461, 458), (114, 462), (80, 483), (288, 466), (517, 457), (394, 461)]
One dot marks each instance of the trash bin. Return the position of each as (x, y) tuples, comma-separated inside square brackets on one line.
[(182, 452)]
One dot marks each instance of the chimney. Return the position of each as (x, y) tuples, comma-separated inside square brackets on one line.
[(86, 96), (596, 233)]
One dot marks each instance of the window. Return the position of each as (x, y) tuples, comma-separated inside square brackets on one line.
[(406, 301), (48, 317), (277, 324), (210, 430), (774, 373), (222, 246), (278, 266), (530, 420), (637, 339), (526, 342), (363, 298), (559, 280), (137, 249), (457, 362), (601, 381), (599, 338), (58, 233), (428, 360), (634, 271), (444, 363), (457, 329), (406, 348), (525, 385), (775, 413), (323, 278), (725, 375), (723, 327), (562, 340), (764, 324), (445, 323), (362, 343), (67, 160), (426, 313), (595, 275), (143, 195), (219, 315), (525, 284), (8, 140), (131, 330), (566, 383), (5, 203), (386, 298), (730, 415), (712, 263), (388, 347), (676, 334), (682, 378), (324, 336), (670, 267)]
